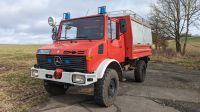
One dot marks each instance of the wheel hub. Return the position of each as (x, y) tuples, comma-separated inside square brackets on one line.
[(112, 88)]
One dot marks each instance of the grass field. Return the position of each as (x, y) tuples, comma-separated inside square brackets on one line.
[(190, 60), (18, 91)]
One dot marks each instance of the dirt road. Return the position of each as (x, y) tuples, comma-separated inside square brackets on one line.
[(168, 88)]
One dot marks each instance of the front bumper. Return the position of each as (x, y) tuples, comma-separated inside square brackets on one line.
[(67, 77)]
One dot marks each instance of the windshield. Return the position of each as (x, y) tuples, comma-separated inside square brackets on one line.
[(86, 28)]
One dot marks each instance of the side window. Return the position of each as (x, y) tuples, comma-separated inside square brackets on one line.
[(112, 31)]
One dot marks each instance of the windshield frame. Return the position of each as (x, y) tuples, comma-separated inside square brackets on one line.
[(100, 38)]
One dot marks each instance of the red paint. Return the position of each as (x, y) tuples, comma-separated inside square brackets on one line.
[(118, 49), (58, 73)]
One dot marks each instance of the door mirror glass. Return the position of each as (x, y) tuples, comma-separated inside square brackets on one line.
[(54, 33), (122, 26)]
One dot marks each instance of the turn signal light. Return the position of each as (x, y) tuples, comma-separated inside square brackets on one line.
[(88, 58)]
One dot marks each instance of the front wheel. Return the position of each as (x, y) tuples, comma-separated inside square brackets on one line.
[(55, 89), (106, 89)]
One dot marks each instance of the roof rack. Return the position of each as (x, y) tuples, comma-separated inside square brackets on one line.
[(127, 13)]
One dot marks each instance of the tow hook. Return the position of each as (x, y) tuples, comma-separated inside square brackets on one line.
[(58, 73)]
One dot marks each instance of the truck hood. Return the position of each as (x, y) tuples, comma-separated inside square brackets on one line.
[(71, 47)]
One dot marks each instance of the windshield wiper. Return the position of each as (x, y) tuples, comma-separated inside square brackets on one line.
[(81, 37)]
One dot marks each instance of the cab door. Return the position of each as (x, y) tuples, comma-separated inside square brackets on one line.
[(115, 41)]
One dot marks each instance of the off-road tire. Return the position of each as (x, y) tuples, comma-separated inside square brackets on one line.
[(140, 71), (104, 94), (54, 89)]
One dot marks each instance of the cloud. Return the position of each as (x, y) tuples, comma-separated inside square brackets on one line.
[(25, 21), (25, 38)]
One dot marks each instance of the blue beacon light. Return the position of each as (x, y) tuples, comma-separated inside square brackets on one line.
[(67, 15), (102, 10)]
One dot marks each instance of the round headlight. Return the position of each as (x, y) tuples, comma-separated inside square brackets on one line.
[(52, 21)]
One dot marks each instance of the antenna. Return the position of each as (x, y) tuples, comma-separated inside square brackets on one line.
[(87, 12)]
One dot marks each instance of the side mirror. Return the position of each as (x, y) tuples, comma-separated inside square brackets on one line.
[(54, 33), (123, 27)]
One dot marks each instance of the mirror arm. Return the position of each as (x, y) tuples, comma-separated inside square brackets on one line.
[(54, 33)]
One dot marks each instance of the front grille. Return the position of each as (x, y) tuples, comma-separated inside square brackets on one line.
[(67, 63)]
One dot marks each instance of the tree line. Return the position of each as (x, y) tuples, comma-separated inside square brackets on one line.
[(174, 19)]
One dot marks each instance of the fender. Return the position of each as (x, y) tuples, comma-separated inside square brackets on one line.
[(103, 66)]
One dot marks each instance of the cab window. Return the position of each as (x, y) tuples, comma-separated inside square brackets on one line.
[(112, 29)]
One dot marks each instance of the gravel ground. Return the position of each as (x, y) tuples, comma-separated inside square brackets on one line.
[(168, 88)]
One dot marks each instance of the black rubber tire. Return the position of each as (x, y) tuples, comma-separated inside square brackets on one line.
[(140, 71), (104, 94), (54, 89)]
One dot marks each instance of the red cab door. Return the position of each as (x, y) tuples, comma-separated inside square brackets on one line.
[(115, 41)]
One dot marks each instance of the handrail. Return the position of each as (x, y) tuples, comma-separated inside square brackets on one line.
[(127, 13)]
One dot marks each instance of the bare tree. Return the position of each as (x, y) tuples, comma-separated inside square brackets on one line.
[(192, 15), (157, 29), (175, 17), (169, 14)]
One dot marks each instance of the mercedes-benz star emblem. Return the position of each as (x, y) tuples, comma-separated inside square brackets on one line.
[(57, 61)]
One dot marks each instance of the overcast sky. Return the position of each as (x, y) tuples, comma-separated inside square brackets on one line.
[(25, 21)]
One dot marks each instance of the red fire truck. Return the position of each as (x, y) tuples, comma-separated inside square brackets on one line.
[(95, 50)]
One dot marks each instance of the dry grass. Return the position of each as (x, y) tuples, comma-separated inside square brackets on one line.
[(18, 91), (190, 60)]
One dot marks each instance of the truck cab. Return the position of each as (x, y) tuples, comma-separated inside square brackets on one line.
[(93, 50)]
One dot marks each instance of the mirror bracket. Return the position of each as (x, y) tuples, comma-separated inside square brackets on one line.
[(54, 33)]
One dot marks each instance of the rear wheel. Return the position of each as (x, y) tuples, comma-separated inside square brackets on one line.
[(106, 89), (55, 89), (140, 71)]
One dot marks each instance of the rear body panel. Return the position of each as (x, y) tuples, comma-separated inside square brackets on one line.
[(137, 45)]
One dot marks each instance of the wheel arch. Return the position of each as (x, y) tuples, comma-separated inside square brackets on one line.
[(109, 63)]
